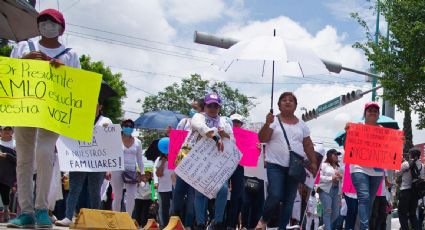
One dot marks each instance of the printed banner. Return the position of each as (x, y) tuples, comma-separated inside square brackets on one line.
[(206, 169), (247, 142), (177, 138), (103, 154), (35, 94), (347, 183), (374, 146)]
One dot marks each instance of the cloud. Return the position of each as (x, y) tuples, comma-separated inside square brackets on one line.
[(192, 12)]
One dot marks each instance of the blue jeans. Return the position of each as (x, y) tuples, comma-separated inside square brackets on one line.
[(201, 203), (366, 187), (350, 219), (76, 182), (330, 202), (181, 190), (252, 204), (237, 183), (281, 188), (189, 215)]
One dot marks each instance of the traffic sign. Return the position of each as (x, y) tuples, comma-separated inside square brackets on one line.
[(332, 104)]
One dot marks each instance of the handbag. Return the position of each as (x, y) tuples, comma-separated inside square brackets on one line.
[(296, 161), (252, 185), (129, 177)]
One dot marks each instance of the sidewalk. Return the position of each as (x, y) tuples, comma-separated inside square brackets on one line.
[(3, 226)]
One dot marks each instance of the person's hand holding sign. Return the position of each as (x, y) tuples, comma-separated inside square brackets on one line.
[(36, 55)]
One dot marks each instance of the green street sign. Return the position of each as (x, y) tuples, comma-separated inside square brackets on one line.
[(332, 104)]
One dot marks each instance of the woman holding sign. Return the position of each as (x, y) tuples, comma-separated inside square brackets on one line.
[(279, 131), (36, 146), (366, 180)]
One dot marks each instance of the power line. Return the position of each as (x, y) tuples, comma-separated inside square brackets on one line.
[(135, 87), (137, 46), (141, 39)]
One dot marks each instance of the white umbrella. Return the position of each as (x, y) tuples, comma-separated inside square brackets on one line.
[(265, 55), (18, 20)]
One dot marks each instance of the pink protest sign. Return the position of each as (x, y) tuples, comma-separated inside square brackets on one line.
[(177, 138), (316, 181), (247, 141), (347, 184)]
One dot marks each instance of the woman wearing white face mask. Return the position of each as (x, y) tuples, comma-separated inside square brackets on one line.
[(133, 158), (37, 144)]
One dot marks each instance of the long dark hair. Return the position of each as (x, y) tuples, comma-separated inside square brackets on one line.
[(329, 158)]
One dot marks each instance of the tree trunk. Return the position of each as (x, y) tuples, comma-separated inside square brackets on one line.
[(407, 128)]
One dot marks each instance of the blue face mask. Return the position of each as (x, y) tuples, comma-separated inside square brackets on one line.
[(192, 112), (127, 131)]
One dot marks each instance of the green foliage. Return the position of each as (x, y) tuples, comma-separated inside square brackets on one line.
[(400, 57), (179, 97), (112, 106), (5, 50)]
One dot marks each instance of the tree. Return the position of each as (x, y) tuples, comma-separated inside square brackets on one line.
[(112, 107), (399, 57), (5, 50), (178, 97)]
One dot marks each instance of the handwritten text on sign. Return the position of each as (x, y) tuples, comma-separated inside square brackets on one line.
[(35, 94), (206, 169), (104, 153), (373, 146)]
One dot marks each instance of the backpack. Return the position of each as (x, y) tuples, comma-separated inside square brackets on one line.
[(418, 184)]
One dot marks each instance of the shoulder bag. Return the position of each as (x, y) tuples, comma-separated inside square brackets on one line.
[(296, 161)]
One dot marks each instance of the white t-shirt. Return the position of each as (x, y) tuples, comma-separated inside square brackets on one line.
[(103, 120), (132, 155), (69, 59), (165, 183), (10, 144), (277, 150)]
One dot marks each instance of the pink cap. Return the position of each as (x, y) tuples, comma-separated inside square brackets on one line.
[(56, 15), (371, 104)]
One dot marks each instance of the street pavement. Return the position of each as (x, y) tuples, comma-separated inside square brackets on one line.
[(3, 226)]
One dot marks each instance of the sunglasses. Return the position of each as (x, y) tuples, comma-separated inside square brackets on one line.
[(213, 106)]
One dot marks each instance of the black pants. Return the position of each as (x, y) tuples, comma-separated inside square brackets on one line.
[(141, 211), (379, 213), (407, 204), (164, 206), (5, 194)]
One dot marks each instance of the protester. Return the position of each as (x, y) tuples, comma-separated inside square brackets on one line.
[(78, 179), (379, 208), (236, 183), (130, 177), (408, 199), (7, 168), (366, 180), (253, 193), (329, 188), (312, 214), (281, 186), (143, 199), (38, 144), (163, 177), (210, 124), (197, 107)]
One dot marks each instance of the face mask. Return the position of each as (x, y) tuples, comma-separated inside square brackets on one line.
[(192, 112), (49, 29), (127, 131)]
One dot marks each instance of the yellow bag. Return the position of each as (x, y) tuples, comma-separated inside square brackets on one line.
[(185, 149)]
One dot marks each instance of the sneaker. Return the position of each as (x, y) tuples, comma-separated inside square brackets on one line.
[(24, 220), (53, 218), (65, 222), (42, 219)]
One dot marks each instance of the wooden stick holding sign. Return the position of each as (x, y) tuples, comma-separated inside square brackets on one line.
[(374, 146)]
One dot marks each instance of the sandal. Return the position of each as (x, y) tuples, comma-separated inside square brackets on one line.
[(261, 225)]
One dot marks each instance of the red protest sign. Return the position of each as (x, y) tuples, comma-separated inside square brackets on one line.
[(374, 146)]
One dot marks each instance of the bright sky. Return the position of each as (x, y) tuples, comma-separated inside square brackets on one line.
[(151, 43)]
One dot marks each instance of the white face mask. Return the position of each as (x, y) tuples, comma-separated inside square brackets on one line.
[(49, 29)]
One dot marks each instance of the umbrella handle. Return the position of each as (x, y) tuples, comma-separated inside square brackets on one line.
[(271, 110)]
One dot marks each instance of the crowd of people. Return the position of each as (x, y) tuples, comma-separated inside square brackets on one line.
[(268, 195)]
